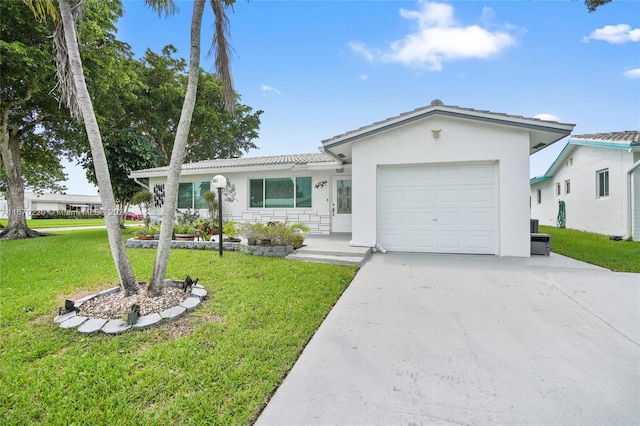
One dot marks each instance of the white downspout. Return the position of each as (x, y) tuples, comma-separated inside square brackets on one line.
[(630, 199), (140, 183)]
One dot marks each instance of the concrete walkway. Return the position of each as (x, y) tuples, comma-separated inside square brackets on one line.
[(471, 340)]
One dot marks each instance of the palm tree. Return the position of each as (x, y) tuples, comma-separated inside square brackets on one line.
[(75, 93), (221, 48)]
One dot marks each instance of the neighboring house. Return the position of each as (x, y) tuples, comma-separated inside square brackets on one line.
[(438, 179), (598, 178), (55, 203)]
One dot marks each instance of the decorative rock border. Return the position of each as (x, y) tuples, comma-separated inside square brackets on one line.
[(88, 325), (267, 251), (193, 245)]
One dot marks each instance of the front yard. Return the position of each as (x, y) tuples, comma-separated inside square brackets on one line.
[(217, 365), (66, 223), (619, 256)]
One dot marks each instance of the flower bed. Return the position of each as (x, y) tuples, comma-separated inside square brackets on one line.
[(266, 251)]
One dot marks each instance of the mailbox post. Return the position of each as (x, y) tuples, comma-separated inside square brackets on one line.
[(219, 182)]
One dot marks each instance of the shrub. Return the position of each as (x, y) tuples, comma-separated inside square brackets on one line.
[(230, 229), (275, 234)]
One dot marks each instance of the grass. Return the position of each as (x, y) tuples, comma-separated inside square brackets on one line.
[(618, 256), (66, 223), (228, 357)]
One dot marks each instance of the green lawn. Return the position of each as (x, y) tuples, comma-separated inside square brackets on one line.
[(217, 365), (619, 256), (66, 223)]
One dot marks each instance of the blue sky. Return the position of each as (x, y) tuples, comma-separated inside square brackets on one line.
[(320, 68)]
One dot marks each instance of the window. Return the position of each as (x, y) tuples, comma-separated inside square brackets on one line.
[(602, 183), (558, 189), (539, 196), (191, 195), (280, 192), (567, 186)]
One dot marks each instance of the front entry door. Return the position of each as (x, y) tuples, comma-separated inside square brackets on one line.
[(341, 204)]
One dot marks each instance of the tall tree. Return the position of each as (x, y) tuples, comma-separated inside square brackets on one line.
[(221, 48), (76, 96), (126, 151), (214, 133), (43, 131), (27, 71)]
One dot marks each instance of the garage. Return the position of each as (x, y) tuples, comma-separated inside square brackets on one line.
[(438, 208), (443, 179)]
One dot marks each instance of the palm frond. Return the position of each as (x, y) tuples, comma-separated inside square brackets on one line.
[(221, 48), (43, 9), (166, 6)]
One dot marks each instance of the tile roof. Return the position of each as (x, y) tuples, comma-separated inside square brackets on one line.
[(63, 198), (437, 105), (611, 140), (628, 136), (225, 163)]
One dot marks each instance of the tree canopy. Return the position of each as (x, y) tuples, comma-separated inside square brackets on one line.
[(592, 5), (126, 150), (214, 132)]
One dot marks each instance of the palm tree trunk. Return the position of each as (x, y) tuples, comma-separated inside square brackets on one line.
[(121, 260), (177, 156)]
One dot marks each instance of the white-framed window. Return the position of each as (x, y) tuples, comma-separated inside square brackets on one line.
[(191, 195), (567, 186), (539, 196), (558, 189), (602, 183), (283, 192)]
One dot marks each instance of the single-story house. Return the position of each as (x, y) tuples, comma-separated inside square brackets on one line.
[(440, 178), (597, 177), (56, 203)]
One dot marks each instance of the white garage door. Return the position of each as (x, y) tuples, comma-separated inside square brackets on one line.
[(443, 208)]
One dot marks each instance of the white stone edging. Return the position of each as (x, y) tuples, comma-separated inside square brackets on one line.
[(88, 325)]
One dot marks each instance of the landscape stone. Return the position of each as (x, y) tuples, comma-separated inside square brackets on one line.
[(91, 326), (173, 313), (73, 322), (108, 291), (198, 292), (84, 299), (147, 321), (61, 318), (115, 327), (191, 303)]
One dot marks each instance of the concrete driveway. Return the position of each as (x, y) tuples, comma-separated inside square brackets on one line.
[(471, 340)]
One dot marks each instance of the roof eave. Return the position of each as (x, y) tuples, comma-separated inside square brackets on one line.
[(538, 179), (236, 169), (560, 129)]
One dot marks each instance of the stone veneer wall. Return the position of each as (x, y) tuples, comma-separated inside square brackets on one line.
[(318, 224)]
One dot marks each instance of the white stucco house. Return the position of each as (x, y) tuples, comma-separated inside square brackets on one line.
[(55, 203), (597, 176), (440, 178)]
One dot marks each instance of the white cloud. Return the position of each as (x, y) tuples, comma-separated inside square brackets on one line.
[(268, 89), (364, 77), (634, 73), (615, 34), (439, 38), (361, 49), (546, 117)]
